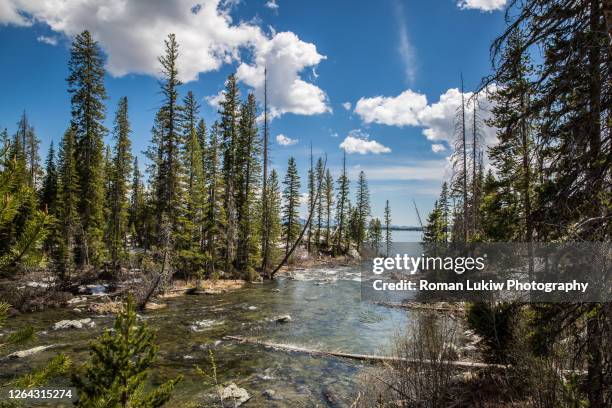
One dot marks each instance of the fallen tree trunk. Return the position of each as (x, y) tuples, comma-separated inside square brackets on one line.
[(363, 357), (421, 306)]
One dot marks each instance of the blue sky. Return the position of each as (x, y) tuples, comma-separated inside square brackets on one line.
[(378, 78)]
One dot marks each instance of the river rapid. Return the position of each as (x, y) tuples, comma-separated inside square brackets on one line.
[(327, 313)]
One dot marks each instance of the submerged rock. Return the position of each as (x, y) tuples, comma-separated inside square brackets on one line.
[(73, 324), (234, 394), (271, 395), (155, 306), (282, 319), (78, 299)]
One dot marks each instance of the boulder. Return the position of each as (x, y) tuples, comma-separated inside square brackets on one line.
[(73, 324), (282, 319), (233, 394)]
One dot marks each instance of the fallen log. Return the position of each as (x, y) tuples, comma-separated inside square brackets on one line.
[(421, 306), (363, 357)]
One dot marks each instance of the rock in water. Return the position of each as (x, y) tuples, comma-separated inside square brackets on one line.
[(282, 319), (234, 394), (73, 324)]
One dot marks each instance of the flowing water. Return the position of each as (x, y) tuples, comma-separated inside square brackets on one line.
[(326, 311)]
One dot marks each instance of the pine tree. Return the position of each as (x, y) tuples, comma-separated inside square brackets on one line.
[(433, 230), (375, 235), (229, 113), (328, 194), (22, 227), (170, 194), (117, 371), (319, 205), (273, 219), (202, 136), (388, 237), (86, 87), (342, 208), (119, 186), (311, 198), (68, 224), (248, 179), (30, 143), (191, 260), (513, 154), (443, 203), (189, 117), (137, 206), (362, 207), (48, 191), (291, 198), (215, 211)]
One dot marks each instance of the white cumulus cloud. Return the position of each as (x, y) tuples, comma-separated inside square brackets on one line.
[(401, 110), (284, 140), (285, 56), (484, 5), (359, 142), (347, 106), (132, 34), (437, 119)]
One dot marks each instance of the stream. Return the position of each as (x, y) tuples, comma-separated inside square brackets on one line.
[(326, 314)]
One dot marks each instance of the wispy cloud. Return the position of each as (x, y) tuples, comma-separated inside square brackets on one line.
[(272, 4), (405, 48), (47, 40)]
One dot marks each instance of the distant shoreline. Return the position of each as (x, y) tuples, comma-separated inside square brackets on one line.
[(401, 228)]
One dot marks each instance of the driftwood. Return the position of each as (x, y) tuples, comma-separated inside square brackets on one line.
[(421, 306), (306, 224), (363, 357)]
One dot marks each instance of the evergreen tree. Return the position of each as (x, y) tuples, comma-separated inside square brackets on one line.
[(191, 260), (328, 195), (202, 136), (119, 186), (342, 208), (433, 230), (189, 118), (362, 207), (388, 237), (30, 143), (48, 191), (117, 371), (215, 211), (443, 203), (513, 153), (273, 219), (22, 227), (137, 206), (311, 198), (86, 87), (229, 113), (375, 235), (169, 194), (248, 179), (291, 198), (319, 205), (68, 225)]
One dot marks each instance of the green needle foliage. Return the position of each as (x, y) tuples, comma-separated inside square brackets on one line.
[(117, 372)]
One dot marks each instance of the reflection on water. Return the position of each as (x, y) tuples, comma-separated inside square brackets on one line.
[(326, 314)]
